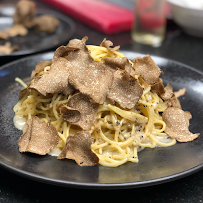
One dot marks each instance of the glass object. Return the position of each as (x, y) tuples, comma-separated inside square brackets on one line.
[(149, 22)]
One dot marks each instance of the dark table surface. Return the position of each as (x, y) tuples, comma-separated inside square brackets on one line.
[(177, 46)]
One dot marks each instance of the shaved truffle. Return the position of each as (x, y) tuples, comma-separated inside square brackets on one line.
[(125, 90), (158, 87), (118, 63), (69, 114), (55, 80), (23, 92), (16, 30), (74, 44), (94, 81), (62, 51), (77, 70), (147, 69), (39, 137), (80, 44), (3, 35), (108, 44), (115, 63), (80, 59), (7, 48), (168, 93), (177, 123), (129, 68), (78, 148), (174, 102), (46, 23), (24, 13), (180, 92), (79, 111), (40, 67)]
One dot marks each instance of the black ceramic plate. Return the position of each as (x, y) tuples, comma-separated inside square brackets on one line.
[(36, 42), (155, 166)]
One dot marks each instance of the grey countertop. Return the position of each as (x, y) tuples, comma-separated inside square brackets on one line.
[(177, 46)]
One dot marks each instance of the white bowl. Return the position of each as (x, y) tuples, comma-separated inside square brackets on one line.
[(190, 19)]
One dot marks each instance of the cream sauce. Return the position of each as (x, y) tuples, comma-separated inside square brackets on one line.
[(163, 139), (55, 152), (19, 121)]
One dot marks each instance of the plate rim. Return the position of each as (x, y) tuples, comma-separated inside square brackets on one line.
[(103, 186)]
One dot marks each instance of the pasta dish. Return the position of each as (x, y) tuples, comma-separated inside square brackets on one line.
[(92, 104)]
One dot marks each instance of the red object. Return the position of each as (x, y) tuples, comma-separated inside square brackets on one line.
[(99, 15)]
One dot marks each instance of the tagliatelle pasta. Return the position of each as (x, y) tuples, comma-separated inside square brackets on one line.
[(117, 133)]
